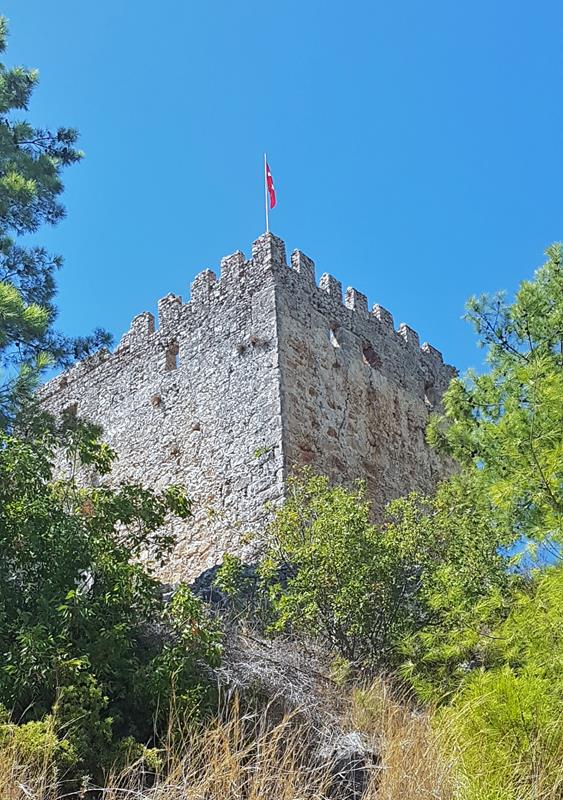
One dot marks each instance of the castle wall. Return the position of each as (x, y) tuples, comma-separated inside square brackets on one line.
[(260, 371), (195, 402), (356, 393)]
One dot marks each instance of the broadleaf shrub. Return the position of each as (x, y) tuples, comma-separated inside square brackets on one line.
[(366, 588), (86, 639)]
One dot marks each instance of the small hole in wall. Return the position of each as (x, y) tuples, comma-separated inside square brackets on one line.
[(71, 410), (371, 357), (172, 356), (333, 338)]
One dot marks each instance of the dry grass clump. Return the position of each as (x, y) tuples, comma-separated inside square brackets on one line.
[(240, 757), (413, 766), (27, 779), (21, 782), (247, 756), (229, 759)]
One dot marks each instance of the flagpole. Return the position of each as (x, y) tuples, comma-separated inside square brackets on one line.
[(266, 193)]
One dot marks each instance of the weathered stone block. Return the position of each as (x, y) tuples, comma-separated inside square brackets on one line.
[(304, 265), (384, 316), (409, 335), (356, 301), (331, 286)]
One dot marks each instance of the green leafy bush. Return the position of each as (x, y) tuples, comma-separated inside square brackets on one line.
[(37, 744), (85, 636), (230, 578), (366, 588)]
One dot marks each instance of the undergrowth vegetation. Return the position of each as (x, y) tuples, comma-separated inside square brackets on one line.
[(91, 653), (246, 755), (505, 724)]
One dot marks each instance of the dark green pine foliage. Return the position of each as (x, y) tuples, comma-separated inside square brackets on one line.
[(31, 164), (508, 422)]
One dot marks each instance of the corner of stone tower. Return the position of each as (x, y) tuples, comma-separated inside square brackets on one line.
[(269, 251)]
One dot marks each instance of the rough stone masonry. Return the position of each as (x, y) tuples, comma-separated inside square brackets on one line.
[(260, 371)]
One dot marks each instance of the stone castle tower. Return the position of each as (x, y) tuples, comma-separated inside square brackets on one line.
[(260, 371)]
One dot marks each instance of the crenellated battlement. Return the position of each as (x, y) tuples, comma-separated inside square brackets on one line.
[(210, 294), (237, 274), (264, 359)]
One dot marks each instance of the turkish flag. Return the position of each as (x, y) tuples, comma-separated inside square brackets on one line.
[(270, 185)]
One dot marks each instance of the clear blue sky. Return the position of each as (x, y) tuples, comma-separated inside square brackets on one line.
[(417, 147)]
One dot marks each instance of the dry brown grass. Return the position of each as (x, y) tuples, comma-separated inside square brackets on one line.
[(248, 757), (23, 782), (412, 764)]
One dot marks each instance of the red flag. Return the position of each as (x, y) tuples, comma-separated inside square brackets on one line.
[(270, 185)]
